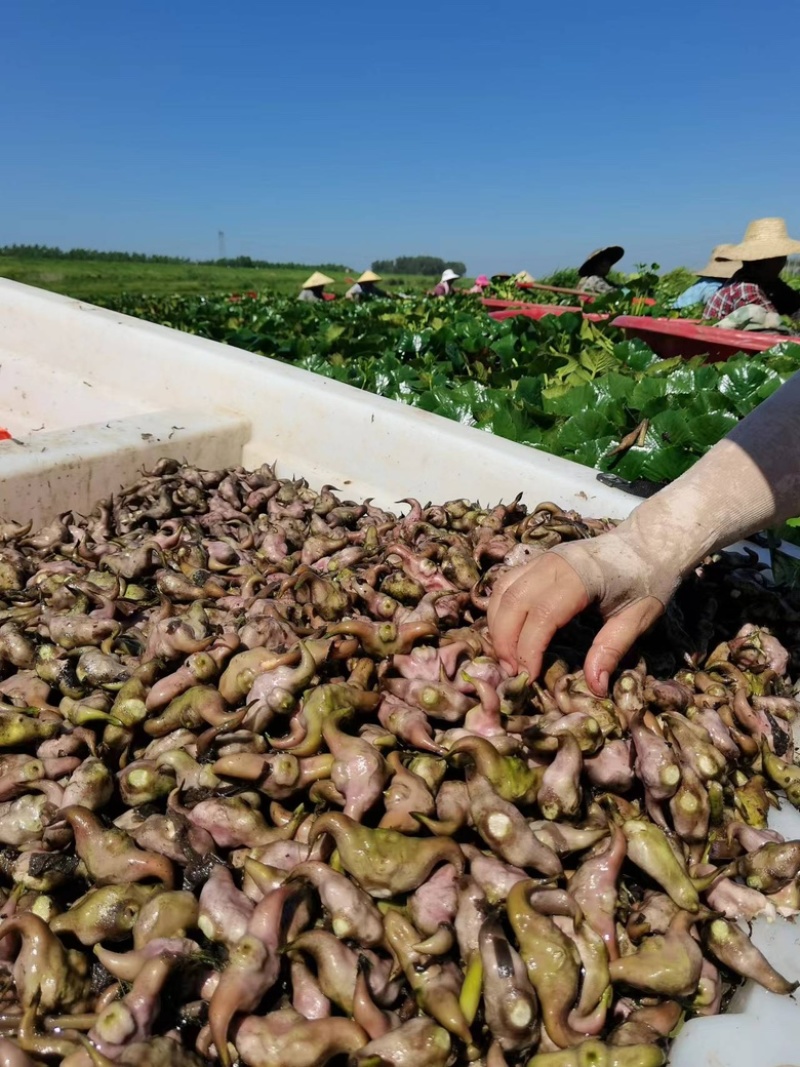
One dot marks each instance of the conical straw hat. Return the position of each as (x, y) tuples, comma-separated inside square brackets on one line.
[(614, 253), (720, 265), (524, 277), (370, 276), (765, 239), (316, 280)]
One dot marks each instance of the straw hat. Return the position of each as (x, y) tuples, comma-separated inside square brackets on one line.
[(370, 276), (612, 252), (316, 280), (502, 277), (524, 277), (449, 275), (765, 239), (720, 264)]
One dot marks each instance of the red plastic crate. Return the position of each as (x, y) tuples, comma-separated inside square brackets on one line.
[(492, 304), (538, 311), (555, 289), (686, 338), (585, 298)]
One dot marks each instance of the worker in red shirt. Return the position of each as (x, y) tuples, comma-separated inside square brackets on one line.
[(445, 286), (763, 253)]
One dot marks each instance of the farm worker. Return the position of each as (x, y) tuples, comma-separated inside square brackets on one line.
[(710, 279), (763, 253), (445, 286), (481, 283), (314, 287), (593, 272), (366, 287), (749, 481)]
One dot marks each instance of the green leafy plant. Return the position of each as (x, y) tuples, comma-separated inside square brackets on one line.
[(562, 384)]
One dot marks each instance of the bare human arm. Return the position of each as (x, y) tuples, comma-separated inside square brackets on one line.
[(748, 481)]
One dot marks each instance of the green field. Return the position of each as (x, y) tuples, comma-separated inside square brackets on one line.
[(89, 279)]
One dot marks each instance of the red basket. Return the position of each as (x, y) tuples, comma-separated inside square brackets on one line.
[(687, 338), (538, 311)]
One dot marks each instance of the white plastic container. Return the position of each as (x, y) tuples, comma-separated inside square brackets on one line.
[(91, 396), (77, 381)]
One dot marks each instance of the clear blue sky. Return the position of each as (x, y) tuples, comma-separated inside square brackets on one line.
[(508, 135)]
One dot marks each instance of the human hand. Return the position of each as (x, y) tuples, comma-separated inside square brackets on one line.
[(627, 580)]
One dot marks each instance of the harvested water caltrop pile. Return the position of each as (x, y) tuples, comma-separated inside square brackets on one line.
[(268, 796)]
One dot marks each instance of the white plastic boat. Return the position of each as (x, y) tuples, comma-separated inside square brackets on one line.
[(91, 396)]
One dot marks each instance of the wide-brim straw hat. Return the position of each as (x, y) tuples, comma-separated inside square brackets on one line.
[(316, 279), (370, 276), (589, 265), (523, 276), (720, 265), (765, 239), (501, 277), (449, 275)]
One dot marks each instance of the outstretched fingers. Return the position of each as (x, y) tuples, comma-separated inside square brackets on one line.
[(616, 638)]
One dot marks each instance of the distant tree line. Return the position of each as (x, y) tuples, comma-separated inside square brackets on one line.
[(46, 252), (248, 261), (428, 265)]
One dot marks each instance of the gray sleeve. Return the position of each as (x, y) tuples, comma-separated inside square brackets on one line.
[(595, 284)]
